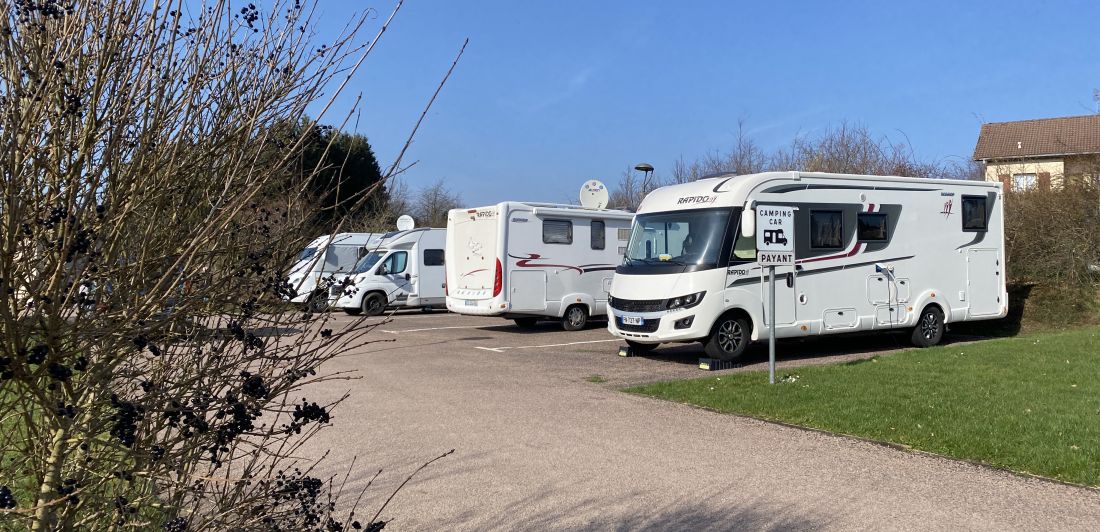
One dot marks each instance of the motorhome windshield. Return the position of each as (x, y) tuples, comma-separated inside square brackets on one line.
[(368, 261), (307, 254), (677, 238)]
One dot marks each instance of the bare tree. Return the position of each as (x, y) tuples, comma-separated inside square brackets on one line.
[(429, 205), (147, 378)]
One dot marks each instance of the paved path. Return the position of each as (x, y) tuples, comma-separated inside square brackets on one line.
[(539, 447)]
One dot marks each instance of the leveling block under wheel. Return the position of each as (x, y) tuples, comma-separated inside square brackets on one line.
[(625, 351), (713, 364)]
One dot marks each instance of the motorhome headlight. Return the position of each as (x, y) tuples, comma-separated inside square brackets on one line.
[(687, 301)]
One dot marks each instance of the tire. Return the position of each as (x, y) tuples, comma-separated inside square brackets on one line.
[(318, 302), (374, 304), (729, 338), (929, 329), (640, 348), (526, 323), (353, 311), (575, 318)]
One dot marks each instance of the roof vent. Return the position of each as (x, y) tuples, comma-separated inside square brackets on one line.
[(1019, 145)]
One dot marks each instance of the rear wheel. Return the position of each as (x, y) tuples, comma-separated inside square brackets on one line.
[(526, 323), (575, 318), (374, 304), (639, 348), (929, 329), (729, 338)]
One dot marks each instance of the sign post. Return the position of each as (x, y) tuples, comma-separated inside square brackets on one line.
[(774, 247)]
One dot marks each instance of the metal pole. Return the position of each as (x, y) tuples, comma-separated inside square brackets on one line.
[(771, 325)]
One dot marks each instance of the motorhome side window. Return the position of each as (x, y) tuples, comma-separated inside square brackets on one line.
[(744, 249), (872, 227), (557, 232), (598, 234), (974, 216), (433, 257), (826, 229), (395, 263)]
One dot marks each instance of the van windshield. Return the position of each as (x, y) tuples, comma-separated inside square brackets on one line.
[(307, 254), (677, 238), (368, 261)]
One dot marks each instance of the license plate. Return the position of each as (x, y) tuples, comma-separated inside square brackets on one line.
[(632, 320), (471, 303)]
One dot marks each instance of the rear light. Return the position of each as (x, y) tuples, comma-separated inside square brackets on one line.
[(446, 291), (498, 281)]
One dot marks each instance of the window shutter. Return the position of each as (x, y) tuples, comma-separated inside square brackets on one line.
[(1005, 180), (1044, 180)]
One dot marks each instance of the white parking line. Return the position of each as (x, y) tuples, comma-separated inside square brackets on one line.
[(502, 349), (435, 329)]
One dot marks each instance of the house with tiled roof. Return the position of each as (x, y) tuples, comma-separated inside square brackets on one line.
[(1040, 153)]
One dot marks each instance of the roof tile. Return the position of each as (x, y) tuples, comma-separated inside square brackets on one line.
[(1033, 138)]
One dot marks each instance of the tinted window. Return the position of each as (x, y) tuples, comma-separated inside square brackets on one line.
[(873, 227), (974, 217), (557, 232), (597, 234), (826, 229), (433, 257)]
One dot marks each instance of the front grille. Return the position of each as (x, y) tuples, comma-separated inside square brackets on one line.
[(638, 305), (647, 326)]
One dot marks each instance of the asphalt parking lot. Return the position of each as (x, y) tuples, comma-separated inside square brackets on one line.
[(540, 446)]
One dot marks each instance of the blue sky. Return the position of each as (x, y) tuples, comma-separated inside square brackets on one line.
[(550, 94)]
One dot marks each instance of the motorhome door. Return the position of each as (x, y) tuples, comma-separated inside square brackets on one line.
[(395, 270)]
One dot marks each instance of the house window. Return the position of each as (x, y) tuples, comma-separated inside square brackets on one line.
[(557, 232), (974, 216), (826, 229), (597, 234), (873, 227), (433, 257), (1023, 181)]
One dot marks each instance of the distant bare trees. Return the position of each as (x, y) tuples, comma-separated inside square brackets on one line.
[(428, 206), (850, 149)]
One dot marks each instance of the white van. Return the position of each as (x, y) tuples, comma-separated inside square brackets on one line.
[(321, 261), (403, 269), (529, 261), (871, 252)]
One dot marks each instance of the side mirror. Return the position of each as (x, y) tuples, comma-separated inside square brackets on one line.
[(408, 277), (748, 223), (382, 270)]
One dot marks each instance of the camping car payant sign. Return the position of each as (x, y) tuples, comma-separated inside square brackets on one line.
[(774, 235)]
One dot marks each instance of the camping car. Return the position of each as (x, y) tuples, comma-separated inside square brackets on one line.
[(403, 269), (321, 261), (870, 253), (532, 261)]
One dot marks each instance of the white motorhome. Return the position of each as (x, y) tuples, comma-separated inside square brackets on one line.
[(871, 252), (321, 261), (403, 269), (531, 261)]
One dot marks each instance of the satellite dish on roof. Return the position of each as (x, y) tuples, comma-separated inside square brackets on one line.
[(405, 223), (593, 194)]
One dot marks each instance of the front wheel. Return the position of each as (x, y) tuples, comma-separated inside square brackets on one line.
[(929, 329), (318, 302), (729, 338), (575, 318), (374, 304)]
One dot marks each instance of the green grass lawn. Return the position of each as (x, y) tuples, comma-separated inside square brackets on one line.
[(1030, 404)]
